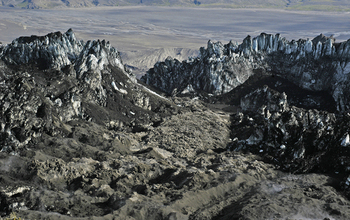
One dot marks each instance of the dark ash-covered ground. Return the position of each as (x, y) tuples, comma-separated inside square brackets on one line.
[(84, 142)]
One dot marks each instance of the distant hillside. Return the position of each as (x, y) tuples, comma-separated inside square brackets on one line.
[(324, 5)]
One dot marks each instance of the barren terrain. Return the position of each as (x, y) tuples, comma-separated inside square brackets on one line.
[(145, 35), (81, 138)]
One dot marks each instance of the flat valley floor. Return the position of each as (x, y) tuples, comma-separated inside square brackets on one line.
[(145, 35)]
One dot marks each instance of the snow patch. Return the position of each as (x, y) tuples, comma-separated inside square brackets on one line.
[(346, 141)]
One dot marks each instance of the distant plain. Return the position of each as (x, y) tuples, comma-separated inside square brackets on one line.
[(145, 35)]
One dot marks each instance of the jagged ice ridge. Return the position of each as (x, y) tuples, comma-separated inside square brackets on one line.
[(57, 50), (319, 64)]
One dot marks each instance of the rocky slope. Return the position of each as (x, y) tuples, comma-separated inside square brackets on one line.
[(81, 138), (309, 135), (50, 80), (55, 85)]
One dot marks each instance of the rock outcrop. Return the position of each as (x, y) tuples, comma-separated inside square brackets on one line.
[(318, 65), (295, 139)]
